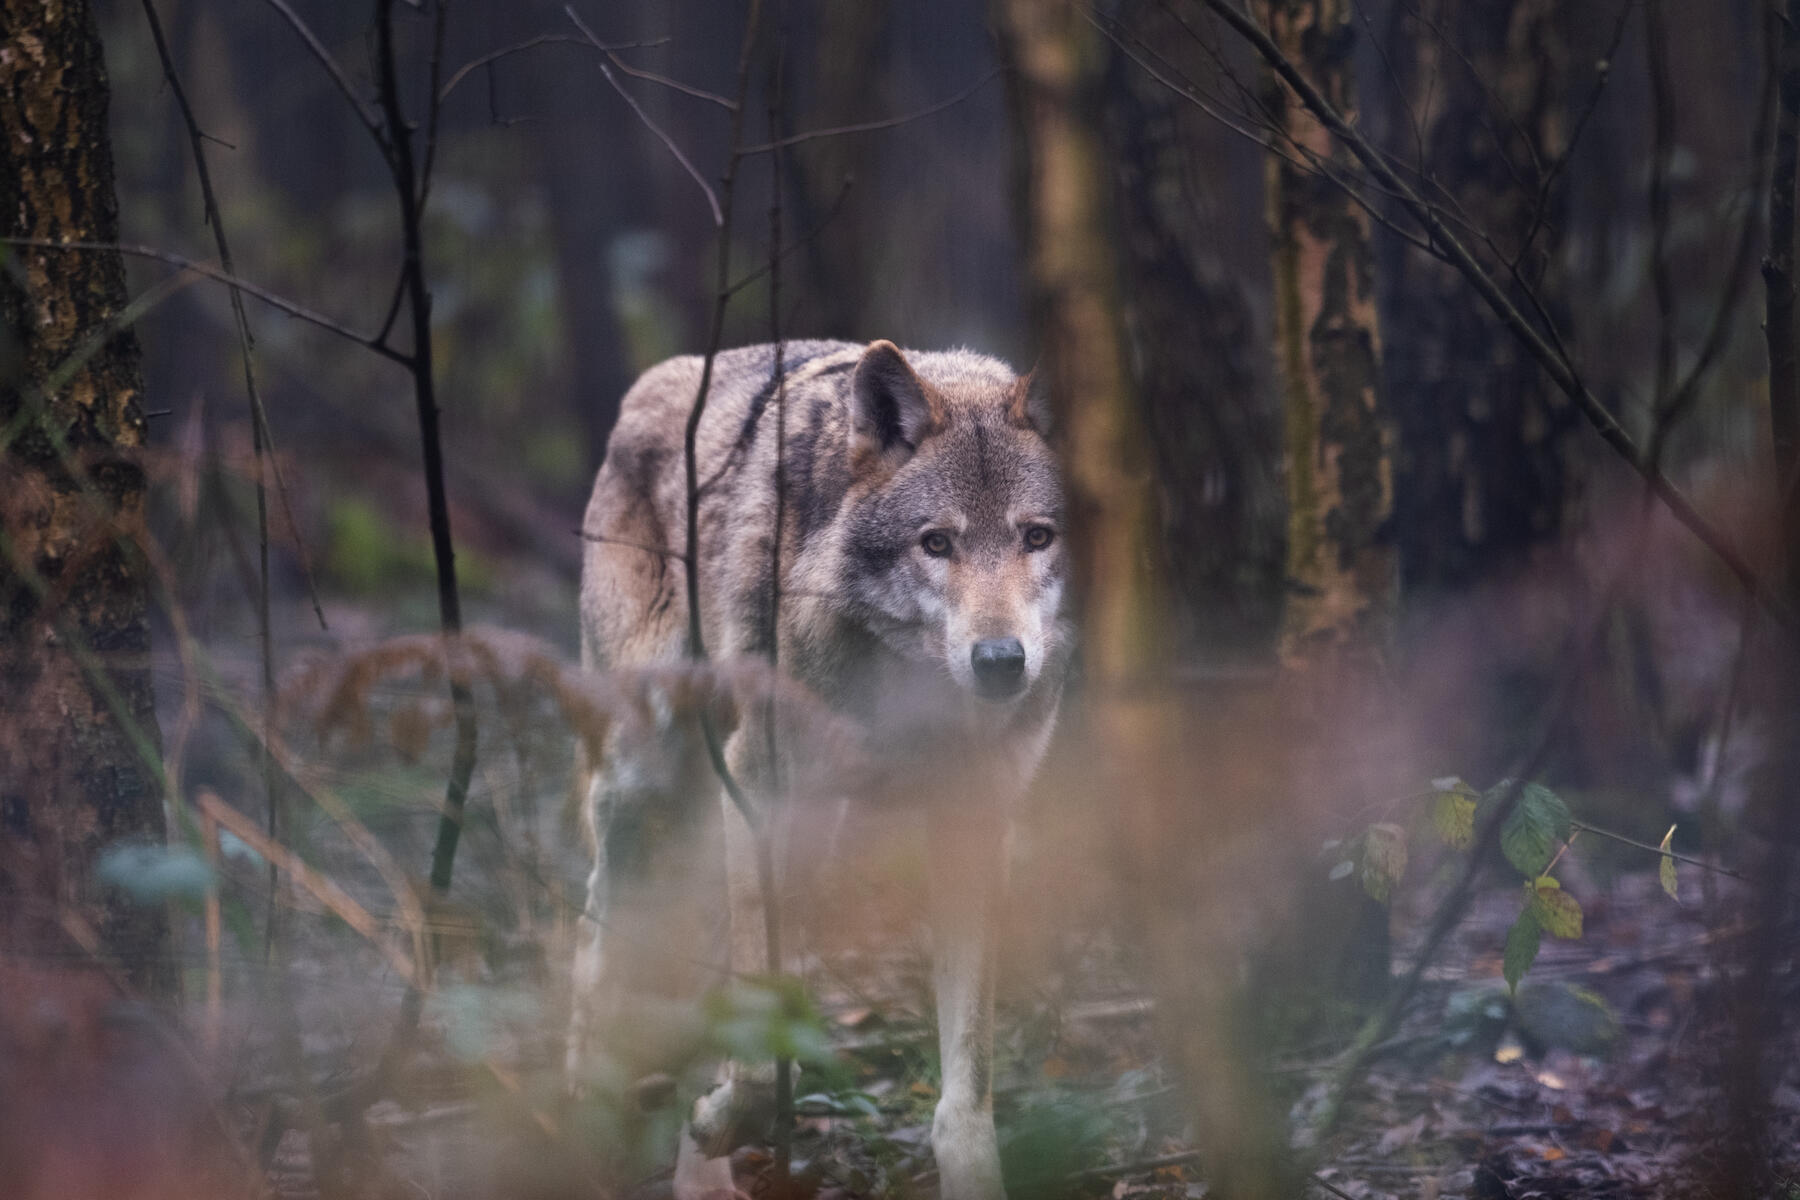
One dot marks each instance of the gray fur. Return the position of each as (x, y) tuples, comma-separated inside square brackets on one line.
[(920, 511)]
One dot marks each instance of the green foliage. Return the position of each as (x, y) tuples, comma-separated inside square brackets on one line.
[(1665, 870), (772, 1017), (1538, 824), (1045, 1142), (366, 553), (155, 874), (1521, 948), (1564, 1016)]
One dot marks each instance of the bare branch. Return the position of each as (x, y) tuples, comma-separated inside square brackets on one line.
[(1673, 406), (800, 243), (1268, 137), (298, 311), (872, 126), (686, 89), (652, 126), (364, 112), (1555, 364), (542, 39), (261, 436), (1581, 122)]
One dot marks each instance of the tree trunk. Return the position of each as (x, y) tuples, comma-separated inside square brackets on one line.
[(1342, 578), (1189, 198), (79, 746), (1480, 479), (1133, 735)]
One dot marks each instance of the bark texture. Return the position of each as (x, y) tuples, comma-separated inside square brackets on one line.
[(1189, 204), (1483, 103), (1134, 736), (1342, 576), (79, 744)]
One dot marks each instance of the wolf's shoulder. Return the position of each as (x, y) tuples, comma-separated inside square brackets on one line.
[(738, 369)]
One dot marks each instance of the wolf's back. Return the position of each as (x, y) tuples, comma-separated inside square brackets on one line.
[(633, 599)]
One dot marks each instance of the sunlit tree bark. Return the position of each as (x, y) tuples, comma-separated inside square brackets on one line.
[(78, 733), (1342, 577)]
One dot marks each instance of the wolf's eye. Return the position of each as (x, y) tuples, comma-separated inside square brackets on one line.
[(1039, 536), (935, 544)]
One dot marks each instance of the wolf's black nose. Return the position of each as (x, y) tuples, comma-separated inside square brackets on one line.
[(999, 667)]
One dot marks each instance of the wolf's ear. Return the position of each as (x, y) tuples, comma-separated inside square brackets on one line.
[(1030, 406), (891, 409)]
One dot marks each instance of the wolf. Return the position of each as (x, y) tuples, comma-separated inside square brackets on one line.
[(887, 526)]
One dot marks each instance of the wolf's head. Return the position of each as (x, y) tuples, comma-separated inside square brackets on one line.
[(954, 535)]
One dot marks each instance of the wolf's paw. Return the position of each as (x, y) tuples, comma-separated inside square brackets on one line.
[(698, 1177), (732, 1114)]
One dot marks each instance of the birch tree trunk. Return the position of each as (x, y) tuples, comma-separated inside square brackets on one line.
[(79, 745), (1342, 577)]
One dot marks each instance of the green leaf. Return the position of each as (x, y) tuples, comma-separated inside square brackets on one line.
[(1521, 948), (1383, 859), (1554, 909), (1538, 822), (1453, 812), (1665, 871)]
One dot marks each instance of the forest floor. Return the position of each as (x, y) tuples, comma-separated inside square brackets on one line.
[(1605, 1078)]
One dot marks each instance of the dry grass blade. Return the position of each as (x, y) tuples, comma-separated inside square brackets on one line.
[(321, 888)]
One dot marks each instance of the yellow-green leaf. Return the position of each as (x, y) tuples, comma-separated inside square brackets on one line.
[(1666, 870), (1383, 859), (1453, 812), (1556, 912)]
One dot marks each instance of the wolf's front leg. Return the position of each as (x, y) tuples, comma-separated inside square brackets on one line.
[(968, 868), (739, 1107)]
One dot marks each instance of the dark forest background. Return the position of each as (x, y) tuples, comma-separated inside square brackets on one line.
[(1522, 604)]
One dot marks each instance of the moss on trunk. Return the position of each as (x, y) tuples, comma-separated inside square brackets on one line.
[(78, 736)]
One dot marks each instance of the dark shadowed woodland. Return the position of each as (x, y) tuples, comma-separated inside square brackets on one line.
[(1422, 818)]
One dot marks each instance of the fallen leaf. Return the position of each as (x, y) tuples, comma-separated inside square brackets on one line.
[(1401, 1135)]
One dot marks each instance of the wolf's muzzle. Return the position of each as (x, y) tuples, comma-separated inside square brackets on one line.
[(999, 665)]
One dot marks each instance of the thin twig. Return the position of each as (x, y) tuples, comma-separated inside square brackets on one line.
[(1662, 145), (1268, 136), (784, 1074), (364, 113), (262, 451), (542, 39), (799, 243), (1602, 74), (711, 198), (1672, 407), (440, 18), (1584, 827), (795, 139), (1557, 365), (292, 309)]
